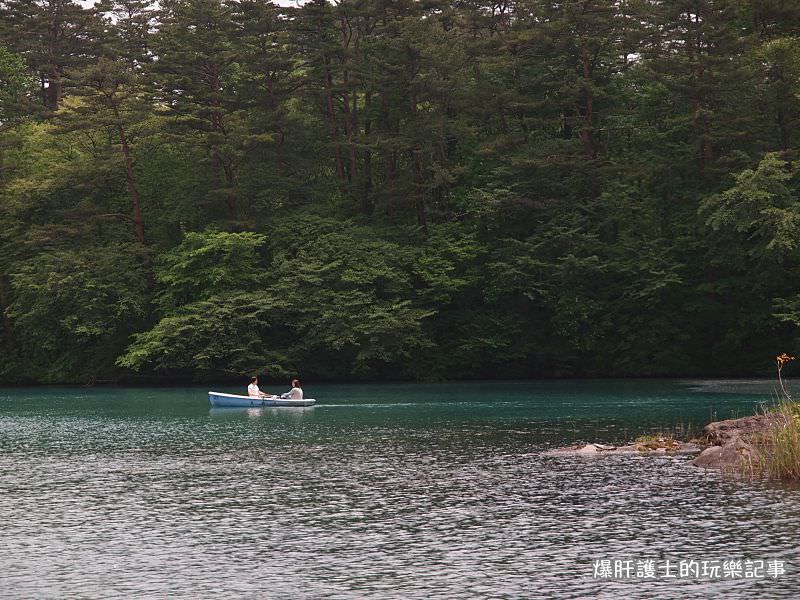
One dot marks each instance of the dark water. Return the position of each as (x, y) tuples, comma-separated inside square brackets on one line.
[(390, 491)]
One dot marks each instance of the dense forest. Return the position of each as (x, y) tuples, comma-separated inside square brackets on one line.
[(404, 189)]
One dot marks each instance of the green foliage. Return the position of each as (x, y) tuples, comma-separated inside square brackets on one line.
[(761, 207), (15, 85), (213, 320), (333, 292), (219, 335), (352, 293), (205, 265), (72, 309), (397, 190)]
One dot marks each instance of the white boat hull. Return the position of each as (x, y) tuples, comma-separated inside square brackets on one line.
[(221, 399)]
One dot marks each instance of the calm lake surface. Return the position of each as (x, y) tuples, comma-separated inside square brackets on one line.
[(379, 491)]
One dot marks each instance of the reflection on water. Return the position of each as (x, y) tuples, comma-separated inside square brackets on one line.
[(235, 412), (440, 491)]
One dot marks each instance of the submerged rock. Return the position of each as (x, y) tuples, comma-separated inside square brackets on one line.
[(592, 449), (662, 446)]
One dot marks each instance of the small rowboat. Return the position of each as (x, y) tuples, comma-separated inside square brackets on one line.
[(220, 399)]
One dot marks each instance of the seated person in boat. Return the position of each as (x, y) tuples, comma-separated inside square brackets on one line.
[(296, 393), (253, 391)]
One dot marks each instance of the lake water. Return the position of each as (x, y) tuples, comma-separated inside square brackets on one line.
[(379, 491)]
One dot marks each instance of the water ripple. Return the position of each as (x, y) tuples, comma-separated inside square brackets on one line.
[(434, 501)]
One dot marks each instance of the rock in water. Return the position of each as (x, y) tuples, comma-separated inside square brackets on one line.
[(734, 441), (653, 447)]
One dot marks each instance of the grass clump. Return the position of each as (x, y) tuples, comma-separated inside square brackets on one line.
[(779, 446), (650, 438), (649, 443)]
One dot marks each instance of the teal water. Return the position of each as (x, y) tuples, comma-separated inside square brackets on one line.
[(379, 491)]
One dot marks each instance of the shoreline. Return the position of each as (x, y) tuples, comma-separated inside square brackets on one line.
[(731, 445), (168, 381)]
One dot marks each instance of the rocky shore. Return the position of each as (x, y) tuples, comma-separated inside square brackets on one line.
[(732, 444)]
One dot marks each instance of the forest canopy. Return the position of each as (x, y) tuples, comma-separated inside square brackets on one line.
[(201, 189)]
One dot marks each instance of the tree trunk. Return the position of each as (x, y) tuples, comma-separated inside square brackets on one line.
[(588, 109), (8, 330), (54, 91), (700, 103), (419, 192), (224, 161), (43, 89), (230, 180), (332, 127), (444, 190), (416, 167), (133, 190), (388, 155), (349, 110), (708, 151), (280, 157), (783, 99), (366, 199), (349, 132)]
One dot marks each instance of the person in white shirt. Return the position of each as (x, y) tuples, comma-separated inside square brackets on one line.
[(253, 391), (296, 393)]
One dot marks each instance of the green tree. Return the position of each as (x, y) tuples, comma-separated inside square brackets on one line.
[(72, 309), (756, 227), (197, 76), (761, 208), (130, 24), (112, 101), (211, 320), (54, 36), (780, 61), (15, 85)]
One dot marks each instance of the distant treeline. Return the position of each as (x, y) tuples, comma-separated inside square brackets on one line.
[(398, 189)]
